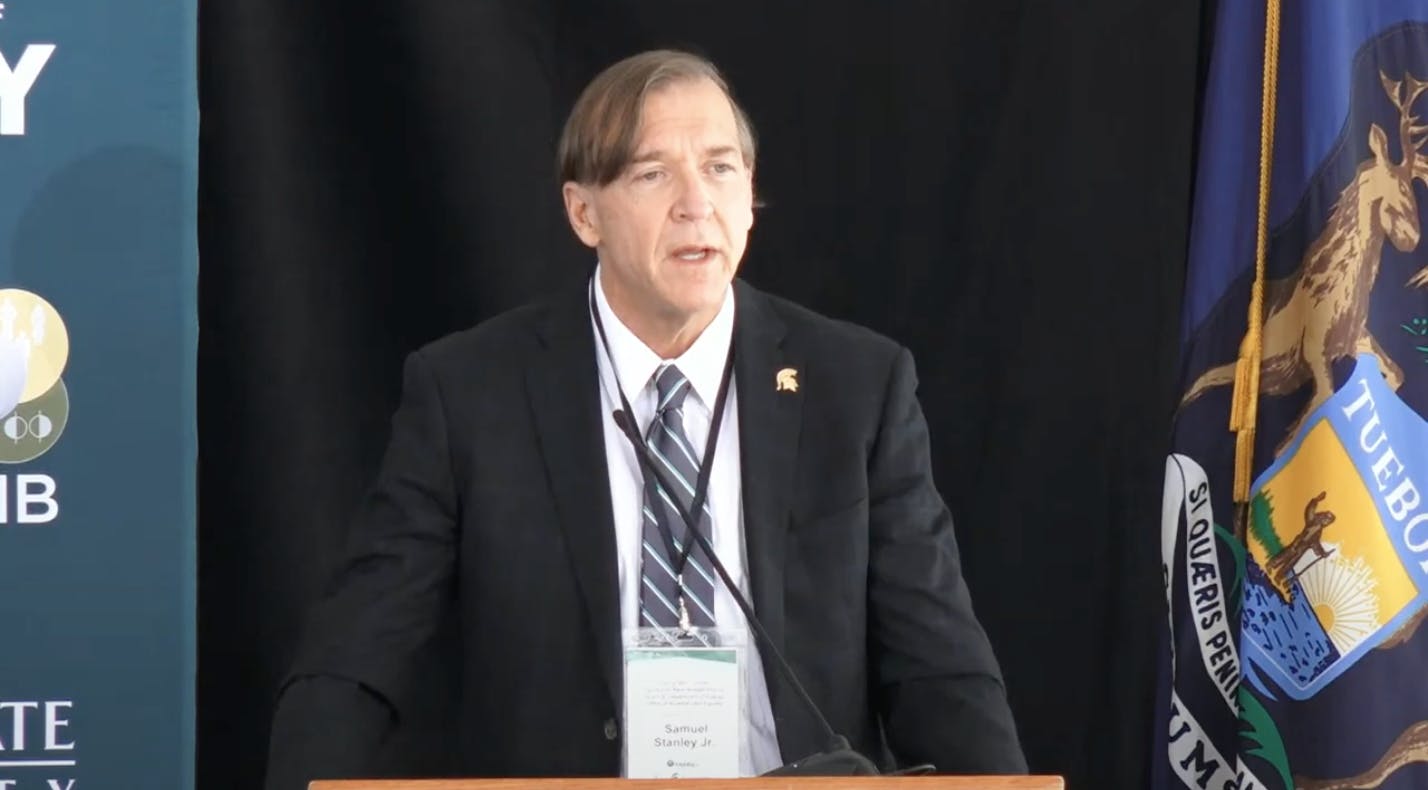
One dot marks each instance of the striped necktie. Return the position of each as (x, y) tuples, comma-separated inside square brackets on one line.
[(676, 458)]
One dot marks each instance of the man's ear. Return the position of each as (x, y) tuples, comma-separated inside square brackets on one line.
[(755, 202), (580, 210)]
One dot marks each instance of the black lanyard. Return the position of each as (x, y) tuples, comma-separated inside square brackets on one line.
[(631, 432)]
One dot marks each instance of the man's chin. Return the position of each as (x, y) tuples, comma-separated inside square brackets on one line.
[(705, 303), (691, 311)]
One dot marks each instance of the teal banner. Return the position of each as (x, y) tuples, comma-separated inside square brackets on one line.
[(98, 332)]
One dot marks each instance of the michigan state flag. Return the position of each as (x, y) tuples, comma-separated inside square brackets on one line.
[(1296, 658)]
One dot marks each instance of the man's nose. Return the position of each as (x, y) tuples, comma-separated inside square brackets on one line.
[(693, 202)]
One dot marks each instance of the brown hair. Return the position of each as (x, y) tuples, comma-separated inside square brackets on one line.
[(599, 136)]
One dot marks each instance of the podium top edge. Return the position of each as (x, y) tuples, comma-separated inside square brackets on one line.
[(1040, 782)]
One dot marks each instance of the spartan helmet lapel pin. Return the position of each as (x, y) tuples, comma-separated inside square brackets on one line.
[(786, 380)]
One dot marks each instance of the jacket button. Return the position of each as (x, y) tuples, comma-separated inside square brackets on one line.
[(611, 731)]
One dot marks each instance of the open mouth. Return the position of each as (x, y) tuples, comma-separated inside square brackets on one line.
[(694, 253)]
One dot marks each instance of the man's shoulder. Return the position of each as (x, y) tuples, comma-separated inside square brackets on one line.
[(509, 335), (514, 334), (820, 333)]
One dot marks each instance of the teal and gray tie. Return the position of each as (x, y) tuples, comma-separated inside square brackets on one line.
[(676, 459)]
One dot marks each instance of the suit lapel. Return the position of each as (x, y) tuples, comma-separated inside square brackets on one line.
[(563, 384), (769, 420)]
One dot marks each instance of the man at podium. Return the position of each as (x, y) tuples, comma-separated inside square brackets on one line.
[(592, 484)]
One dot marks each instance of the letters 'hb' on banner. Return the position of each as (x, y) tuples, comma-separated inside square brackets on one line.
[(98, 256), (1296, 658)]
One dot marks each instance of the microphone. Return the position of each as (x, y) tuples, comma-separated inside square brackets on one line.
[(837, 758)]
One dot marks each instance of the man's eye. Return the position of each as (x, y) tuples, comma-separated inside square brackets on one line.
[(650, 176), (722, 168)]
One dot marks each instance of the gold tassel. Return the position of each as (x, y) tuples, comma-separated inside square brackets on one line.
[(1244, 403)]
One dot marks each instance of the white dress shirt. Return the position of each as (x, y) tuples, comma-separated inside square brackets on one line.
[(703, 365)]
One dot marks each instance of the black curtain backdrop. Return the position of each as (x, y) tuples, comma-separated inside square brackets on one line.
[(1003, 187)]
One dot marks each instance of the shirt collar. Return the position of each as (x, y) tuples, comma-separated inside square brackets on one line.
[(702, 363)]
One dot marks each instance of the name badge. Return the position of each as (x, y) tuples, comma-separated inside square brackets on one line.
[(683, 704)]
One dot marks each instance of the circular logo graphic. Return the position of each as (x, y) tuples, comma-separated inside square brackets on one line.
[(32, 429), (34, 347)]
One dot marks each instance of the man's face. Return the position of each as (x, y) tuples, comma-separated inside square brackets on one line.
[(672, 228)]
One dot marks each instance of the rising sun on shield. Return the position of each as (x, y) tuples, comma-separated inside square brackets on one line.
[(1341, 592)]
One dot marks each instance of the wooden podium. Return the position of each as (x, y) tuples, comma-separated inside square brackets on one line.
[(757, 783)]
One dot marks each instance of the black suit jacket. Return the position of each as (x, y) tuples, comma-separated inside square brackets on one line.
[(493, 499)]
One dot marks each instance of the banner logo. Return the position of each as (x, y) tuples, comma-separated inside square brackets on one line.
[(34, 347)]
